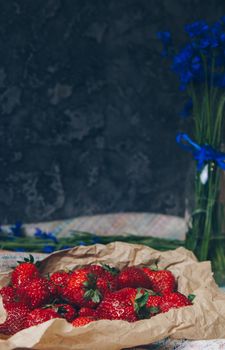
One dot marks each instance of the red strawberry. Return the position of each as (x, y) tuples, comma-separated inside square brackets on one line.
[(162, 281), (106, 283), (99, 270), (119, 305), (38, 316), (114, 309), (24, 273), (66, 311), (81, 289), (173, 300), (153, 304), (8, 294), (82, 321), (60, 279), (127, 304), (53, 290), (154, 301), (16, 318), (36, 293), (133, 277), (87, 311), (105, 278), (126, 293)]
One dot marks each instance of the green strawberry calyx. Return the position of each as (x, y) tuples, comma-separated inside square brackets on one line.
[(27, 260), (94, 295), (140, 304), (191, 297), (113, 270), (91, 292)]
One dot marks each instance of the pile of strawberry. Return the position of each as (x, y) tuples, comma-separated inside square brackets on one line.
[(87, 294)]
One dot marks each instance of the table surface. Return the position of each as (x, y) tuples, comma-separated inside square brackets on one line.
[(145, 224)]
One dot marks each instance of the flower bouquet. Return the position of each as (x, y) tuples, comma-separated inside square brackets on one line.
[(200, 68)]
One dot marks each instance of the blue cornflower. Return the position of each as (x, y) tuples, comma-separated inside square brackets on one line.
[(187, 65), (45, 235), (222, 37), (196, 28), (164, 36), (48, 249), (82, 243), (16, 229), (182, 58), (166, 39), (196, 63), (202, 44)]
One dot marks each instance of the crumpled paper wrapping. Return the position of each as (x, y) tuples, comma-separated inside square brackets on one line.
[(203, 320)]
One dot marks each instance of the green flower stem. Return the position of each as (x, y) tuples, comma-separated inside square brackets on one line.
[(37, 245), (208, 114)]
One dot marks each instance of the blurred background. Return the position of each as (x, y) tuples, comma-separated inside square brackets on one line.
[(89, 109)]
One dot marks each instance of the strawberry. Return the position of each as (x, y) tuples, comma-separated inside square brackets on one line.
[(36, 293), (133, 277), (53, 290), (173, 300), (66, 311), (129, 304), (59, 279), (81, 289), (87, 311), (153, 304), (24, 272), (106, 283), (99, 270), (105, 278), (16, 318), (116, 309), (38, 316), (8, 294), (82, 321), (162, 281)]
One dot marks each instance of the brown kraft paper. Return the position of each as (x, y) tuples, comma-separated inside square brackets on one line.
[(205, 319)]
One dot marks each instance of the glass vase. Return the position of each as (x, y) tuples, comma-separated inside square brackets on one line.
[(205, 213)]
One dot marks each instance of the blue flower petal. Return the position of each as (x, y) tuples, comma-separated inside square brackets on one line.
[(82, 243), (48, 249), (196, 28)]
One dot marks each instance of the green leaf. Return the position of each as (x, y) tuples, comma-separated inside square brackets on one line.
[(92, 279), (191, 297), (154, 267), (89, 294), (31, 258), (96, 297), (140, 300), (113, 270), (38, 264), (61, 310), (153, 310)]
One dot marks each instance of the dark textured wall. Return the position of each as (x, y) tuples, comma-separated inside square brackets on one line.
[(88, 109)]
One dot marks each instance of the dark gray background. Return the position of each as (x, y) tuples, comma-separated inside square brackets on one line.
[(88, 109)]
